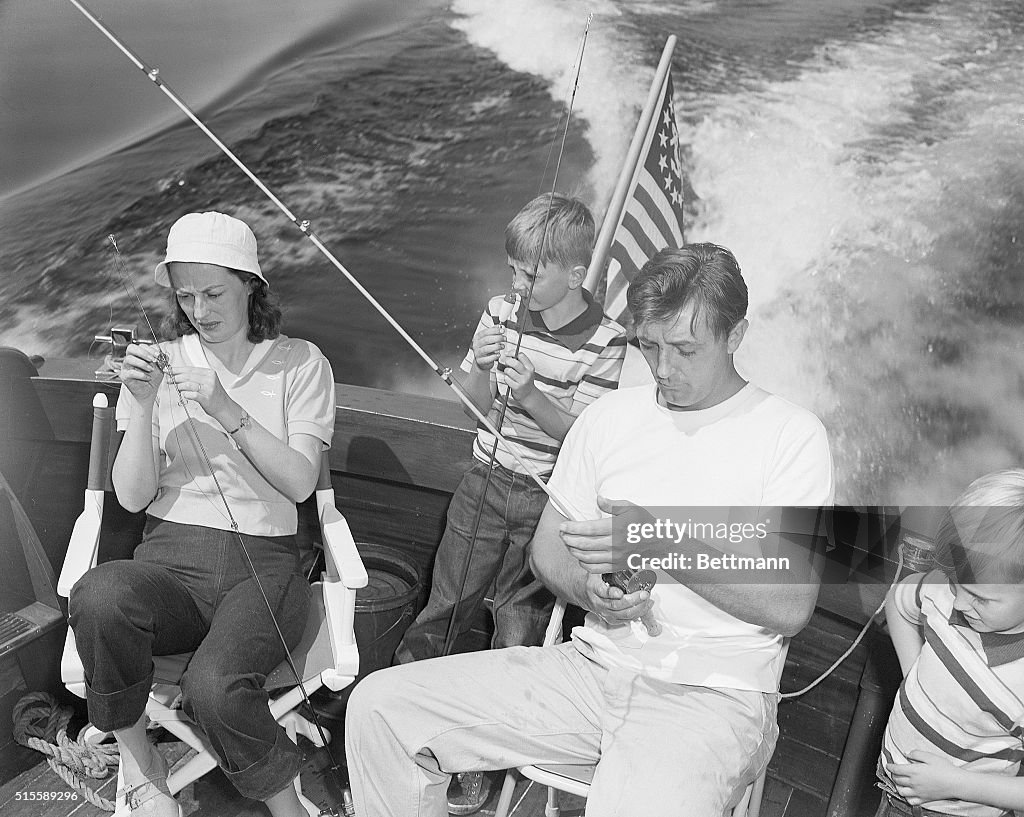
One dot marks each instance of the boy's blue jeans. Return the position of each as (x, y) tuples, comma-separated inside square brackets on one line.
[(522, 605), (894, 806), (188, 588)]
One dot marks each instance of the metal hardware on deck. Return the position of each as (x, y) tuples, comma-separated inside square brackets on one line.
[(12, 628)]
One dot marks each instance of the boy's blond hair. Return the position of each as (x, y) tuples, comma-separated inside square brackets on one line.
[(570, 232), (980, 539)]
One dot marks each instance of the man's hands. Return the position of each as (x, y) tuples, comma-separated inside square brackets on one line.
[(611, 604), (591, 542)]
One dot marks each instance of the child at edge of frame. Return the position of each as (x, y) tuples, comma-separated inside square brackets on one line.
[(571, 354), (953, 743)]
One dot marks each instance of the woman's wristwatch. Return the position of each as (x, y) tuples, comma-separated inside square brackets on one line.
[(244, 422)]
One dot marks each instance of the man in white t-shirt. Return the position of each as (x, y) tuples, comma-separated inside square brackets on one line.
[(702, 476)]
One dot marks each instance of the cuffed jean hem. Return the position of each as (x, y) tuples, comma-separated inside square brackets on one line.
[(271, 773), (118, 710)]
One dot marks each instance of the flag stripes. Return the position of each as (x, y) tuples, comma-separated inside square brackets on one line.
[(652, 218)]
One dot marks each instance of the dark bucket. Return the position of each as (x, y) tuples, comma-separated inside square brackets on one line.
[(384, 610), (386, 606)]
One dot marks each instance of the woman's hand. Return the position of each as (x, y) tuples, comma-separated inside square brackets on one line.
[(203, 386), (140, 372)]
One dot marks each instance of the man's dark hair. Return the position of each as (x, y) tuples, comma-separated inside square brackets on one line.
[(704, 274)]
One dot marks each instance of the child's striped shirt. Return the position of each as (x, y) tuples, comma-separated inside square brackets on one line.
[(962, 699), (574, 364)]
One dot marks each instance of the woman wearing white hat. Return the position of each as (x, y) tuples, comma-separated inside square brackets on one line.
[(262, 405)]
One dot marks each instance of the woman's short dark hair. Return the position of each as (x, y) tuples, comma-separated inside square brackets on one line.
[(264, 312), (706, 274)]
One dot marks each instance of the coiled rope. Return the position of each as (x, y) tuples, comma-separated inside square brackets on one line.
[(40, 723)]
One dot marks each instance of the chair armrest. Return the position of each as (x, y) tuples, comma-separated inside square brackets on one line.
[(72, 673), (83, 549), (342, 557), (553, 632), (344, 573), (339, 609)]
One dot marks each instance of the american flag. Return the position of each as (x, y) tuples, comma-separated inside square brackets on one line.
[(652, 218)]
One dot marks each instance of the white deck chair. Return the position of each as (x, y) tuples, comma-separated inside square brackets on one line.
[(326, 656), (576, 778)]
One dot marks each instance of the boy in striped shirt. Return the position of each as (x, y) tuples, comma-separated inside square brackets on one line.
[(571, 354), (955, 739)]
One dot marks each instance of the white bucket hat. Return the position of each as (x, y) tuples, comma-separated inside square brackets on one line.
[(210, 238)]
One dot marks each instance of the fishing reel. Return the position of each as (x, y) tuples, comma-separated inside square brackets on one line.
[(162, 360), (120, 338), (631, 581)]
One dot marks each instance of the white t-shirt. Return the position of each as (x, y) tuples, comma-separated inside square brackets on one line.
[(286, 386), (753, 450)]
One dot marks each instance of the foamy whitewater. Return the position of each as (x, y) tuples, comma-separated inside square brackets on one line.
[(862, 159)]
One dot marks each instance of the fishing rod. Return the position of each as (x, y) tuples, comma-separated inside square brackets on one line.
[(305, 226), (163, 363), (505, 312)]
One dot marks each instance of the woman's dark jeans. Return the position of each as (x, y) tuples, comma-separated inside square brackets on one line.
[(188, 588)]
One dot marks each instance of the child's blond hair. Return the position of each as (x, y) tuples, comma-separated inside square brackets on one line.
[(570, 232), (980, 539)]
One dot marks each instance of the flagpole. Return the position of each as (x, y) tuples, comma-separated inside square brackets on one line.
[(618, 201)]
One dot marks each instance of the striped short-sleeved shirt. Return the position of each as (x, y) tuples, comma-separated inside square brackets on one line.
[(574, 364), (962, 699)]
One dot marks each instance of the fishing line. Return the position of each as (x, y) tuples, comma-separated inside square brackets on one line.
[(521, 318), (569, 104), (305, 227), (163, 363)]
